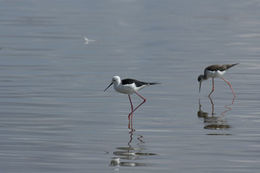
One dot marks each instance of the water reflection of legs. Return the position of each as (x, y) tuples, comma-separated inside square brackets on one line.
[(131, 132), (228, 107), (129, 155), (202, 114), (213, 122)]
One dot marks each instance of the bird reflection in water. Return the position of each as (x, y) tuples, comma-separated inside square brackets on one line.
[(134, 151), (213, 122)]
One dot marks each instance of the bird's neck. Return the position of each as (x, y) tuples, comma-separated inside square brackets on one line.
[(117, 83), (205, 77)]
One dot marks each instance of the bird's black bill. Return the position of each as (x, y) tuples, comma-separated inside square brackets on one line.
[(108, 86), (199, 86)]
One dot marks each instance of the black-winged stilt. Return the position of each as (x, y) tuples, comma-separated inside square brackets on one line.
[(129, 86), (215, 71)]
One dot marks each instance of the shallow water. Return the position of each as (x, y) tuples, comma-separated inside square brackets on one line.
[(55, 117)]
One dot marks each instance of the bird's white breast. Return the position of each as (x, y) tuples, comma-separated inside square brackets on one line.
[(215, 73), (125, 89)]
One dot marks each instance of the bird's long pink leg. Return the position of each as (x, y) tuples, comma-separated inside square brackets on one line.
[(130, 122), (144, 100), (229, 84), (141, 96), (132, 107), (213, 87)]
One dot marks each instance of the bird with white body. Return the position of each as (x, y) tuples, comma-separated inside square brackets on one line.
[(129, 86)]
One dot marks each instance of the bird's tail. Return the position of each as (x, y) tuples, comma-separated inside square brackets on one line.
[(153, 83), (231, 65)]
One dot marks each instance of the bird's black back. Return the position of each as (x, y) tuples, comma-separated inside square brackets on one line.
[(137, 82), (219, 67)]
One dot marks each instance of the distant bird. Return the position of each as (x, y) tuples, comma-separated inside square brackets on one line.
[(215, 71), (87, 40), (129, 86)]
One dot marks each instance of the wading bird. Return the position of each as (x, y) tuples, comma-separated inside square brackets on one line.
[(129, 86), (215, 71)]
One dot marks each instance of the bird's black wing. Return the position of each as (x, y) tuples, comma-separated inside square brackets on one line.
[(137, 82), (217, 67)]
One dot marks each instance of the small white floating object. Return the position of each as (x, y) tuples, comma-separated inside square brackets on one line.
[(88, 40)]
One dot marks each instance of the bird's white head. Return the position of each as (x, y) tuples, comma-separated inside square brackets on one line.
[(115, 80)]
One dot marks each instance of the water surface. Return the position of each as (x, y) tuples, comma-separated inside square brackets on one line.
[(55, 117)]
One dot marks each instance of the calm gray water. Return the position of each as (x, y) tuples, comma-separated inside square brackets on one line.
[(55, 117)]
